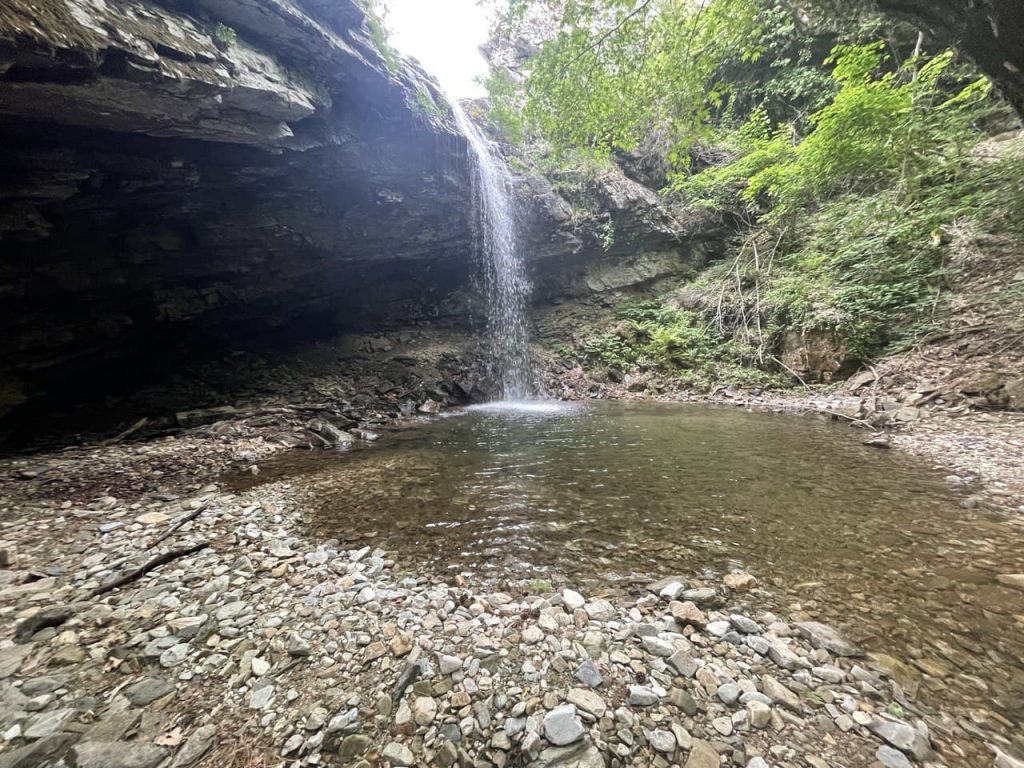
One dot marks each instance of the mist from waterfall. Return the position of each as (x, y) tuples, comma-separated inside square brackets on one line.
[(506, 286)]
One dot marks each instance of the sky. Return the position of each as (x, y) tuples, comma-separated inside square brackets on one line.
[(444, 35)]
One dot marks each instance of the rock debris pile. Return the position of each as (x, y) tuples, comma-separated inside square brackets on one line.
[(266, 645)]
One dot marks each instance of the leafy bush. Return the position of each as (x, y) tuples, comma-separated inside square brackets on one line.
[(676, 342), (882, 127)]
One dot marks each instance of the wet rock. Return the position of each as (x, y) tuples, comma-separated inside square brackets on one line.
[(1015, 580), (562, 726), (824, 636)]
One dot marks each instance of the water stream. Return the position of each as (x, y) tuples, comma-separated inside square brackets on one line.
[(506, 286), (608, 496)]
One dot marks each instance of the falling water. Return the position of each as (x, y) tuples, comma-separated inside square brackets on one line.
[(506, 285)]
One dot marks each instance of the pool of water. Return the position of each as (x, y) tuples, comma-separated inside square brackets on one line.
[(618, 494)]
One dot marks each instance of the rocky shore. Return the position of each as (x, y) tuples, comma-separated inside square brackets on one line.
[(265, 647)]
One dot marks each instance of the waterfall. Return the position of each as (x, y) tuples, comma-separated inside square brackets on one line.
[(506, 287)]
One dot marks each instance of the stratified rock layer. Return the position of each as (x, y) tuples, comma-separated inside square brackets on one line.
[(185, 181)]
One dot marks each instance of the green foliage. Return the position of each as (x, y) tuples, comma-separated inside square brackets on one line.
[(871, 267), (616, 68), (882, 127), (606, 234), (540, 586), (379, 35), (225, 34), (424, 105), (677, 342)]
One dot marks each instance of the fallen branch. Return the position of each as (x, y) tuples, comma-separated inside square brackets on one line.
[(131, 430), (794, 373), (175, 526), (142, 570), (851, 419)]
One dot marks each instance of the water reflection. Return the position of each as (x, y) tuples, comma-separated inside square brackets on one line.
[(866, 539)]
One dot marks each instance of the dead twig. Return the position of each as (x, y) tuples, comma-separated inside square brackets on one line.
[(175, 526), (142, 570)]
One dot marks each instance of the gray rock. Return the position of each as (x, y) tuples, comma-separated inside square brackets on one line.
[(298, 646), (261, 697), (449, 664), (683, 663), (588, 701), (175, 655), (729, 693), (581, 755), (573, 600), (892, 758), (148, 690), (642, 696), (588, 674), (116, 754), (759, 714), (197, 745), (901, 735), (398, 754), (744, 625), (48, 723), (657, 647), (782, 655), (718, 628), (824, 636), (562, 726), (702, 755), (661, 741)]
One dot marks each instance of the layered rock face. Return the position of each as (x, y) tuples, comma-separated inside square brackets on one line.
[(178, 178), (182, 180)]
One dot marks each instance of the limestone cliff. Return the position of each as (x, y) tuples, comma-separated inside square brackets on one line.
[(185, 175)]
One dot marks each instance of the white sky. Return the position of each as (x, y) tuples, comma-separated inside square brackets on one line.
[(444, 35)]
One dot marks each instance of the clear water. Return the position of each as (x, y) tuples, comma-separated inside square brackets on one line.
[(506, 285), (611, 495)]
